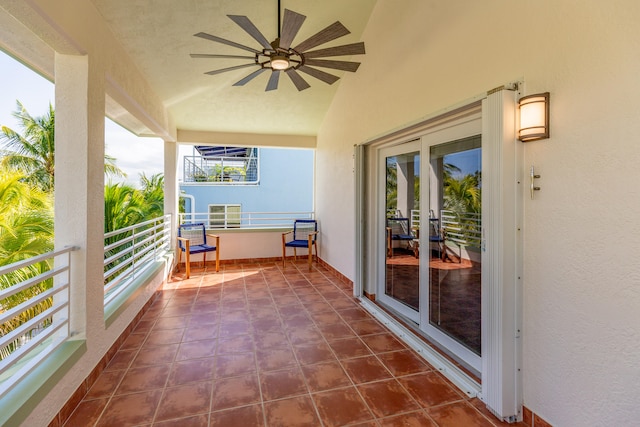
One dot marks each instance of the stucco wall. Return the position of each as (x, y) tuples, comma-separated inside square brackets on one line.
[(582, 276)]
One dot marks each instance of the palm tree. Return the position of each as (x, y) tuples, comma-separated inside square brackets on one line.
[(153, 194), (33, 151), (26, 230)]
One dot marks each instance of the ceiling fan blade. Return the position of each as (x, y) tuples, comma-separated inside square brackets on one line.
[(273, 80), (251, 29), (297, 79), (338, 65), (347, 49), (291, 23), (320, 75), (208, 55), (332, 32), (225, 41), (250, 77), (237, 67)]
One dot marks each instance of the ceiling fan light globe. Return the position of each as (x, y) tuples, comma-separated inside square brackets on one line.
[(279, 62)]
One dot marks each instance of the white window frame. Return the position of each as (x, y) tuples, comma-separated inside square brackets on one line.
[(230, 219)]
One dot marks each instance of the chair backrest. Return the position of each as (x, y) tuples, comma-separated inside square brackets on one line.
[(194, 232), (399, 226), (303, 227)]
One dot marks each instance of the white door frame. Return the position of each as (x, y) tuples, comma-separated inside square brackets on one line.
[(501, 388)]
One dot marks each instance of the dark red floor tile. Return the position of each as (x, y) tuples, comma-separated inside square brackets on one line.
[(349, 348), (284, 383), (325, 376), (430, 389), (236, 391), (292, 412), (342, 406), (247, 416), (403, 362), (387, 398), (365, 369), (458, 414), (185, 400)]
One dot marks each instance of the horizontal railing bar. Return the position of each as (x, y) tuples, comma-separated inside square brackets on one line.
[(131, 227), (25, 327), (31, 302), (32, 281), (18, 353), (27, 262), (126, 265), (118, 255), (117, 243), (31, 364)]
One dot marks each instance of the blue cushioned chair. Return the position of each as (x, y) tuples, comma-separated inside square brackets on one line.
[(398, 229), (192, 239), (305, 234)]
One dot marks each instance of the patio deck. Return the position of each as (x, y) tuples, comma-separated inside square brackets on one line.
[(256, 345)]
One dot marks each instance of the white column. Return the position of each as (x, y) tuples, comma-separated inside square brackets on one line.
[(171, 188), (79, 185)]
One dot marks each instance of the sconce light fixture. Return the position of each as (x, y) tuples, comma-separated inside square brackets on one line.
[(534, 117)]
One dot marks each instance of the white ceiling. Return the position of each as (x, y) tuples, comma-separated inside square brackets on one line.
[(158, 36)]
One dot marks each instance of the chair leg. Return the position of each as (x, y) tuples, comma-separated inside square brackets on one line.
[(310, 256), (188, 263), (217, 258)]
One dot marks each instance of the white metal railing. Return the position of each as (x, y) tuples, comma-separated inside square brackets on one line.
[(414, 219), (129, 251), (227, 170), (464, 229), (41, 321), (245, 219)]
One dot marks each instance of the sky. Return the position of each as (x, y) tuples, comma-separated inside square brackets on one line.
[(133, 155)]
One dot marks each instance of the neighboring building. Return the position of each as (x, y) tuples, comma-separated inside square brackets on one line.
[(221, 185)]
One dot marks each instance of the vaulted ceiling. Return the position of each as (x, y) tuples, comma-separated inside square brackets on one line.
[(159, 37)]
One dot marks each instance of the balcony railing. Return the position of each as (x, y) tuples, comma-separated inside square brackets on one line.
[(234, 220), (128, 252), (34, 328), (221, 170)]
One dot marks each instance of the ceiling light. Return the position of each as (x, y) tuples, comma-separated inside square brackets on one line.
[(279, 62)]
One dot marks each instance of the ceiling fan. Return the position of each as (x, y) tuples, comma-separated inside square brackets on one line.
[(279, 56)]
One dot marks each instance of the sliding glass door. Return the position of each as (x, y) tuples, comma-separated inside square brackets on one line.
[(429, 229), (400, 183)]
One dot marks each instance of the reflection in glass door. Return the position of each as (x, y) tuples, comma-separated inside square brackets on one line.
[(455, 234), (401, 167)]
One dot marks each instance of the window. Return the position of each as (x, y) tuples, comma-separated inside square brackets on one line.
[(224, 216)]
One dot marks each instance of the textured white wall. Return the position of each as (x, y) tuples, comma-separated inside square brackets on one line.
[(582, 238)]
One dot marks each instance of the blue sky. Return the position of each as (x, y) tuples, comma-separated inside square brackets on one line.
[(133, 155)]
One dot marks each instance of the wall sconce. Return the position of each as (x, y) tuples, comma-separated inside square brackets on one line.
[(534, 117)]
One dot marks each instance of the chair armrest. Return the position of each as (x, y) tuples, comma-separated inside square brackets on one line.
[(287, 232), (215, 236), (187, 244)]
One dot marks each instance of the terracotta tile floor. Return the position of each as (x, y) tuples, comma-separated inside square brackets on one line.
[(255, 345)]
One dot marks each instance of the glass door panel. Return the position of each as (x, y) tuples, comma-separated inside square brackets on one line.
[(455, 235), (400, 167)]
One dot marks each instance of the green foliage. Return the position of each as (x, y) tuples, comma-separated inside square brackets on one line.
[(33, 151), (26, 230)]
